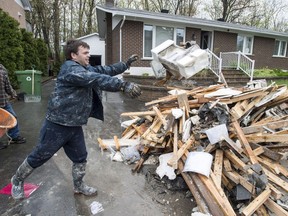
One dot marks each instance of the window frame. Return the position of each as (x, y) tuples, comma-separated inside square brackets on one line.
[(279, 48), (245, 41), (154, 26)]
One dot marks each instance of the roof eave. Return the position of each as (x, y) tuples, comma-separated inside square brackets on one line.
[(26, 5), (197, 22)]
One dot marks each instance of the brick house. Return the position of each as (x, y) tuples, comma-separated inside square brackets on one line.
[(128, 31), (16, 9)]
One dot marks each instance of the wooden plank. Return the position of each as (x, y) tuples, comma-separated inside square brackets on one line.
[(245, 142), (101, 144), (212, 203), (267, 152), (137, 129), (278, 181), (243, 96), (227, 165), (144, 113), (214, 181), (160, 116), (246, 107), (260, 128), (173, 97), (232, 176), (170, 98), (117, 144), (267, 138), (262, 211), (182, 150), (234, 146), (228, 184), (221, 200), (126, 130), (275, 208), (238, 179), (275, 192), (256, 203), (155, 122), (175, 146), (129, 134), (236, 161), (201, 203), (276, 166), (259, 151), (218, 165), (183, 102)]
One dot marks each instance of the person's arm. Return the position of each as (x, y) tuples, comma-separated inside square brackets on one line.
[(116, 68), (78, 76), (111, 70)]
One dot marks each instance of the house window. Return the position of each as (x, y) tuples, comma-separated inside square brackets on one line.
[(155, 35), (280, 48), (163, 34), (148, 40), (179, 36), (245, 44)]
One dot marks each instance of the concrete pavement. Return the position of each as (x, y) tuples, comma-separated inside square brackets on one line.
[(120, 192)]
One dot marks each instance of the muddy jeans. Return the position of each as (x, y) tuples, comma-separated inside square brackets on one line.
[(52, 138)]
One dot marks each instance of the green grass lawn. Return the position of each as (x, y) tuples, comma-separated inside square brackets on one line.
[(272, 73), (269, 73)]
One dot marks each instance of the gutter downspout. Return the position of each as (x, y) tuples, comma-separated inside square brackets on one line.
[(124, 18)]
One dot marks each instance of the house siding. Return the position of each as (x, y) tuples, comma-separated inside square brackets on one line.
[(109, 40), (116, 44), (190, 32), (263, 54), (224, 42), (12, 8), (133, 42)]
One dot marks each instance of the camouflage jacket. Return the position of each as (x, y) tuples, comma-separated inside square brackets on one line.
[(77, 93)]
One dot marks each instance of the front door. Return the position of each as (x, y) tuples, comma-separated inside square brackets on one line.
[(206, 38)]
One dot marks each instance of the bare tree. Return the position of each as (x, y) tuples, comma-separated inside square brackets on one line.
[(229, 10), (90, 12), (267, 14), (56, 28)]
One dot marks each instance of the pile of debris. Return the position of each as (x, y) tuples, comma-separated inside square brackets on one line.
[(226, 143)]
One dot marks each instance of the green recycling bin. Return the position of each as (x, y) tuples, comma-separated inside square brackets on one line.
[(30, 82)]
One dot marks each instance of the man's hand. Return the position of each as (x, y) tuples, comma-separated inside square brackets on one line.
[(132, 89), (131, 59)]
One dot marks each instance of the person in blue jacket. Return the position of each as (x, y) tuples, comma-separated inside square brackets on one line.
[(76, 97)]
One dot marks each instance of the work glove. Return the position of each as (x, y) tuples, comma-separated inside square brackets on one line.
[(131, 59), (131, 89)]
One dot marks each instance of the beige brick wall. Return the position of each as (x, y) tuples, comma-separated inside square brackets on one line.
[(14, 9)]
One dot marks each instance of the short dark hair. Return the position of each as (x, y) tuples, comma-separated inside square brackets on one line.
[(72, 47)]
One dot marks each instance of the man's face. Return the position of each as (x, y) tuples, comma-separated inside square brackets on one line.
[(82, 56)]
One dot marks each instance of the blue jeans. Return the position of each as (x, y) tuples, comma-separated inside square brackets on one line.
[(13, 132), (54, 136)]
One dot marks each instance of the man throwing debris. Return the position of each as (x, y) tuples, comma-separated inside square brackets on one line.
[(76, 97)]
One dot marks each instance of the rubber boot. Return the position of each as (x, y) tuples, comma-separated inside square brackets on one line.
[(17, 180), (78, 172)]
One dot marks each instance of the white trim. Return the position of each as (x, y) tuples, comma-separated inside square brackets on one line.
[(154, 35), (278, 51)]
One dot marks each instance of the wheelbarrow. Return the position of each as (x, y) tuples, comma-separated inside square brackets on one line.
[(7, 121)]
